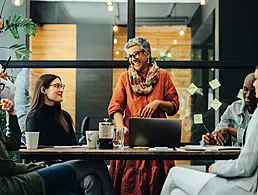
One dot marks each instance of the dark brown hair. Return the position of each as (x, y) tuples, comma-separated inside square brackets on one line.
[(38, 99)]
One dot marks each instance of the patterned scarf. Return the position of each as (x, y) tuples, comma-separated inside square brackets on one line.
[(140, 87)]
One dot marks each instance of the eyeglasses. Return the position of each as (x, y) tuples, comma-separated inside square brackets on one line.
[(2, 85), (58, 86), (134, 54)]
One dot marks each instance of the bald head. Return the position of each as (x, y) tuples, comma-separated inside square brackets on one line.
[(249, 91), (249, 79)]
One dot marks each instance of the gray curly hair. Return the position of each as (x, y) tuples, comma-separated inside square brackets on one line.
[(141, 42)]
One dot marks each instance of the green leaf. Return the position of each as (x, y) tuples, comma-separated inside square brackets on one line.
[(12, 24), (21, 51)]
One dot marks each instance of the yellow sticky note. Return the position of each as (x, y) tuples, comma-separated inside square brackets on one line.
[(198, 119), (214, 84), (215, 104), (240, 94), (192, 89)]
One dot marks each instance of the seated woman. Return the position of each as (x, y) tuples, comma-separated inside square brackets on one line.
[(56, 128), (238, 177), (46, 116)]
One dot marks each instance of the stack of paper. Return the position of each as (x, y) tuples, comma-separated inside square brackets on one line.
[(210, 148)]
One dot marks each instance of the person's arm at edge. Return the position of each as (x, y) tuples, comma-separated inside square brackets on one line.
[(247, 161)]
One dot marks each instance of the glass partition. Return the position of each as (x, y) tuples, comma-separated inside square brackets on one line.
[(88, 93)]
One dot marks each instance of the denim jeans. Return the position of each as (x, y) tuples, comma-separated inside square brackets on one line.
[(61, 177)]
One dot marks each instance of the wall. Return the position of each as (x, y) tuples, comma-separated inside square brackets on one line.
[(56, 42), (237, 42), (94, 42)]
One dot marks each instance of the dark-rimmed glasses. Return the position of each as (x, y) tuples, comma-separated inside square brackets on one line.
[(134, 54), (2, 85), (58, 86)]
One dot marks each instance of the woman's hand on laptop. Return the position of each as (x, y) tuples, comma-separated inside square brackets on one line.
[(149, 109)]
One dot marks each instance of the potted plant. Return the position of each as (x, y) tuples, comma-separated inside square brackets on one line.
[(12, 24)]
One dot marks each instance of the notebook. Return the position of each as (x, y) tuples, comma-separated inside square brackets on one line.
[(210, 148)]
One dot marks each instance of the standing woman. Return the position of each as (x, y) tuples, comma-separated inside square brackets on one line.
[(56, 128), (142, 91)]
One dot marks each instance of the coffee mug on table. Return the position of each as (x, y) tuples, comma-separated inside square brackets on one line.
[(92, 138), (32, 139)]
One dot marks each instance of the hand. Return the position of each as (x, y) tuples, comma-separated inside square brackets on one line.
[(210, 168), (3, 75), (8, 106), (220, 138), (119, 129), (148, 111), (209, 139)]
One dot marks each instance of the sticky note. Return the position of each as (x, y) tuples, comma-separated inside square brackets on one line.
[(192, 89), (240, 94), (215, 104), (214, 84), (197, 119)]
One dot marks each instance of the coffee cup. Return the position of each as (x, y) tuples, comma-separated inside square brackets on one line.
[(92, 138), (32, 139)]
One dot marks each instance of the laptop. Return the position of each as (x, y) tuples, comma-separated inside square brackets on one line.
[(154, 132)]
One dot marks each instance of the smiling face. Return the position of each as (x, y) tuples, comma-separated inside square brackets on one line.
[(255, 84), (54, 93), (138, 59), (249, 91)]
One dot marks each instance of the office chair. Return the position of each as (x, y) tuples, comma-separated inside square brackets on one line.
[(84, 126)]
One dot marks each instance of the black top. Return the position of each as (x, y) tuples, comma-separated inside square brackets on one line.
[(51, 132)]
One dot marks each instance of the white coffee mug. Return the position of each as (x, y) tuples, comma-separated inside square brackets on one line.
[(32, 140), (92, 138)]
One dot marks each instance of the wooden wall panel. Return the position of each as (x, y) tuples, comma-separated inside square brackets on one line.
[(56, 42)]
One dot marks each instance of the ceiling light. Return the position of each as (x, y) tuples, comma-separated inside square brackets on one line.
[(110, 8), (115, 40), (117, 52), (109, 3), (182, 32), (17, 2), (175, 41), (115, 28), (203, 2)]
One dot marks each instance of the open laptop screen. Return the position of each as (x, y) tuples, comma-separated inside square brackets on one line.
[(154, 132)]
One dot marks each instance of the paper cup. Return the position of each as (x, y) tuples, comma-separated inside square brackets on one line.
[(32, 139)]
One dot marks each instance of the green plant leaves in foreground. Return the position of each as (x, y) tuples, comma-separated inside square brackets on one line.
[(21, 52)]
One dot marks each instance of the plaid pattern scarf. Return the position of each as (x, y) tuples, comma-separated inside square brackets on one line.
[(140, 87)]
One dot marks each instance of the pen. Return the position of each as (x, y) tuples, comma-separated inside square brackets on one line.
[(4, 68), (206, 128)]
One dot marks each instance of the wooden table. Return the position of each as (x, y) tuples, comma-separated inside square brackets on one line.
[(123, 154)]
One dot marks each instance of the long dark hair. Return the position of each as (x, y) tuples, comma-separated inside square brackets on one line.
[(38, 99)]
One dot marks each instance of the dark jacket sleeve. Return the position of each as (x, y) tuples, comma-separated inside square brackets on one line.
[(13, 135), (10, 141)]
